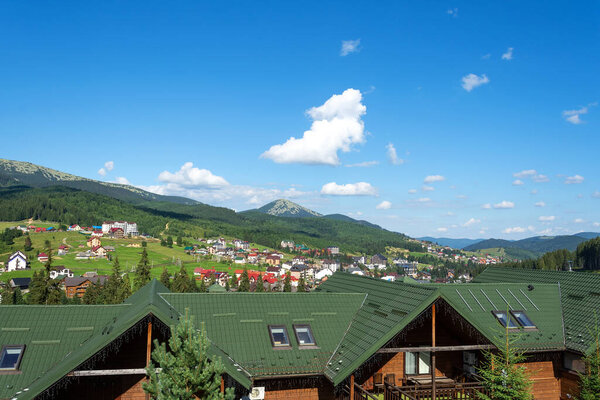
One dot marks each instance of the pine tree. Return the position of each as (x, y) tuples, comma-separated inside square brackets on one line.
[(112, 290), (186, 371), (287, 283), (125, 289), (179, 241), (165, 278), (244, 282), (169, 241), (38, 288), (142, 271), (181, 282), (590, 381), (233, 282), (17, 296), (227, 287), (501, 375), (93, 295), (301, 285), (260, 285), (27, 246), (202, 288)]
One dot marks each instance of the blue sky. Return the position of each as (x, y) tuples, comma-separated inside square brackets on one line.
[(457, 119)]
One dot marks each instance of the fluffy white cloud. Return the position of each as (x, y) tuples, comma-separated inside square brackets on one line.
[(392, 155), (596, 224), (540, 204), (518, 182), (573, 116), (579, 220), (426, 188), (534, 191), (508, 55), (412, 191), (540, 178), (109, 165), (547, 218), (424, 200), (442, 229), (574, 180), (336, 126), (527, 173), (434, 178), (486, 206), (102, 172), (472, 221), (453, 12), (384, 205), (349, 46), (504, 205), (516, 229), (190, 176), (122, 180), (363, 164), (349, 189), (471, 81)]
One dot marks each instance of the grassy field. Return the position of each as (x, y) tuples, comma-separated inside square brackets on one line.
[(158, 255)]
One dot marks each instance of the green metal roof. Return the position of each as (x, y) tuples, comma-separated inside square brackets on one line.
[(237, 324), (580, 297)]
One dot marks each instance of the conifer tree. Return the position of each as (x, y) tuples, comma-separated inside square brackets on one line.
[(17, 296), (244, 282), (227, 287), (186, 371), (501, 375), (181, 282), (169, 241), (38, 288), (125, 290), (301, 285), (93, 295), (202, 288), (112, 292), (165, 278), (27, 246), (142, 271), (260, 285), (287, 283), (590, 381)]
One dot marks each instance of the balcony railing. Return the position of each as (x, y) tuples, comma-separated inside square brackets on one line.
[(462, 391)]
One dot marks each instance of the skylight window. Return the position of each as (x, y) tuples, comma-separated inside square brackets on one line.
[(503, 318), (10, 357), (279, 336), (523, 319), (304, 335)]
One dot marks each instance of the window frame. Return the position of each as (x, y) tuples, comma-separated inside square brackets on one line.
[(308, 345), (417, 363), (528, 327), (288, 345), (509, 317), (18, 363)]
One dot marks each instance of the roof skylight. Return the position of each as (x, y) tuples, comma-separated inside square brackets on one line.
[(10, 357)]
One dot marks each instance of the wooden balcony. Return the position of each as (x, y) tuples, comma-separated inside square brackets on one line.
[(462, 391)]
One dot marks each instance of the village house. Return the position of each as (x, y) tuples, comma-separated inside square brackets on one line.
[(127, 228), (331, 265), (63, 250), (17, 261), (42, 257), (99, 251), (272, 260), (60, 270), (333, 250), (21, 283), (94, 242), (76, 286), (116, 233), (423, 339)]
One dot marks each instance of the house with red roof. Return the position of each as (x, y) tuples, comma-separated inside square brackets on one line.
[(42, 257)]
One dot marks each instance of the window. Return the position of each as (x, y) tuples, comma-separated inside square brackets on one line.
[(417, 363), (10, 357), (279, 336), (304, 335), (503, 318), (523, 319)]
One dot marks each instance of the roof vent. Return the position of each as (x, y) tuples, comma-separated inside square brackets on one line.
[(530, 287)]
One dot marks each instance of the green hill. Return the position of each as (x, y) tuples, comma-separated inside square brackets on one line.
[(286, 208), (531, 247)]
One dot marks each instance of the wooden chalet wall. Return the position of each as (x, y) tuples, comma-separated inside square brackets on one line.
[(292, 389)]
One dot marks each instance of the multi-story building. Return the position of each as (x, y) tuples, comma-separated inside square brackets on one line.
[(129, 228)]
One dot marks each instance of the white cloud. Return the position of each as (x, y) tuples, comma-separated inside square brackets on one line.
[(442, 229), (486, 56), (453, 12), (508, 55), (596, 194), (102, 172), (336, 126), (434, 178), (534, 191), (424, 200), (540, 178), (426, 188), (578, 220), (518, 182), (471, 81), (412, 191), (540, 204), (349, 46), (190, 176), (547, 218), (596, 224), (504, 205), (349, 189), (516, 229), (472, 221), (392, 155), (574, 180), (573, 116), (109, 165), (486, 206), (461, 196), (363, 164), (122, 180), (527, 173), (384, 205)]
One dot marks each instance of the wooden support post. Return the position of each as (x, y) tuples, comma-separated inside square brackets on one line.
[(433, 352), (148, 351), (352, 387), (222, 384)]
